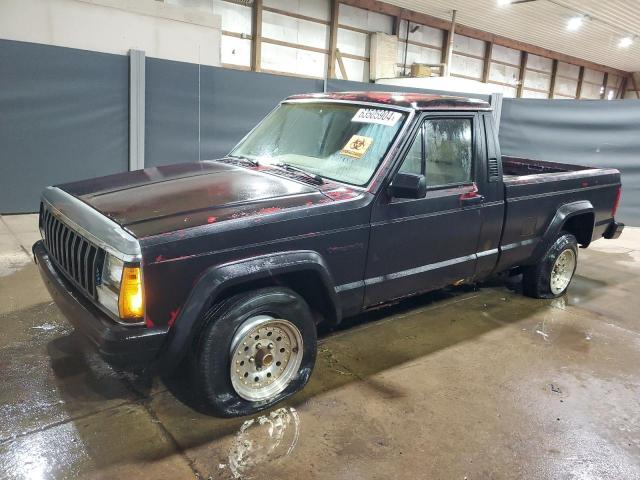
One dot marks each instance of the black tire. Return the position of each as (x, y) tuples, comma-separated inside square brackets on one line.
[(536, 280), (210, 359)]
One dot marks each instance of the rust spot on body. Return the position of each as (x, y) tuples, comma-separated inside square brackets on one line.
[(267, 210), (173, 315)]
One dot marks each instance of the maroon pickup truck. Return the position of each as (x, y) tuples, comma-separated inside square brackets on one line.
[(334, 204)]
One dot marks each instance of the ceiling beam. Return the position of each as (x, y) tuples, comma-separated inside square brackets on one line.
[(435, 22)]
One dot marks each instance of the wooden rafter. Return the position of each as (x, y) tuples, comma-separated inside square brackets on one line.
[(605, 81), (447, 46), (552, 82), (486, 69), (524, 59), (580, 83), (333, 38), (635, 86), (256, 35)]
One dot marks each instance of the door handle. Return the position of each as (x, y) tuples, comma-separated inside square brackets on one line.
[(471, 197), (475, 200)]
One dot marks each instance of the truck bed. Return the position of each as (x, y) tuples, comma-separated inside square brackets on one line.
[(535, 189), (515, 167)]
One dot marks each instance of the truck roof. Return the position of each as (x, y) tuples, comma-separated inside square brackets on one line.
[(417, 101)]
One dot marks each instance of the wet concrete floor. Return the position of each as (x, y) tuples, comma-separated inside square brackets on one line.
[(475, 384)]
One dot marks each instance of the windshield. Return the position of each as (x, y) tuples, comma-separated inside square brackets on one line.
[(336, 141)]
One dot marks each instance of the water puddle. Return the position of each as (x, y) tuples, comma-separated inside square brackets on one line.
[(563, 334), (12, 262), (263, 439)]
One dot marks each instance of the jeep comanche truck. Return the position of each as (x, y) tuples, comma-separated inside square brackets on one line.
[(334, 204)]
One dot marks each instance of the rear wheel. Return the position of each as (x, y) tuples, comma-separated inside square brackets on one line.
[(552, 275), (256, 349)]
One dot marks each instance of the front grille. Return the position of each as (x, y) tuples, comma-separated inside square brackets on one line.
[(79, 259)]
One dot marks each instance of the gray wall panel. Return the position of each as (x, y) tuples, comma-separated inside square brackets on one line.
[(233, 102), (63, 117), (171, 112), (583, 132)]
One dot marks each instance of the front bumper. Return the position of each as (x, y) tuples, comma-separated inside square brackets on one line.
[(118, 344), (614, 230)]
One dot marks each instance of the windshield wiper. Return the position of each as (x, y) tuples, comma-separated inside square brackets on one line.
[(285, 166), (291, 168), (246, 159)]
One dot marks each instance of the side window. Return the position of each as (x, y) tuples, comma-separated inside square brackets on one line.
[(448, 151), (413, 161)]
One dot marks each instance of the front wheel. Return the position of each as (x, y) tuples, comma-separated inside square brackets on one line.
[(551, 276), (256, 349)]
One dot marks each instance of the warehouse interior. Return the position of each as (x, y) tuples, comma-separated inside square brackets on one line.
[(471, 381)]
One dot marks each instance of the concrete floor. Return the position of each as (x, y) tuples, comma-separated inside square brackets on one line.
[(459, 384)]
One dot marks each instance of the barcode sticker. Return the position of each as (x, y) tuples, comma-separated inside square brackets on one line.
[(377, 115)]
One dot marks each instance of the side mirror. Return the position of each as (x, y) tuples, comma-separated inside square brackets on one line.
[(408, 185)]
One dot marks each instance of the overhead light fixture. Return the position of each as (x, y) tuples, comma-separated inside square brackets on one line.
[(625, 42), (503, 3), (575, 23)]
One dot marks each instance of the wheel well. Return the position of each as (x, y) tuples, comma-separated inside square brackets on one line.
[(306, 283), (581, 226)]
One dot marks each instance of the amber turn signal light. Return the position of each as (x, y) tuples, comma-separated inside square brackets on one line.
[(131, 301)]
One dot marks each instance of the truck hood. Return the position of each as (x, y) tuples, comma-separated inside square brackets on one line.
[(165, 199)]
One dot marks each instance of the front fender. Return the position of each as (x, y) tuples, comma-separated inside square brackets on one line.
[(216, 279)]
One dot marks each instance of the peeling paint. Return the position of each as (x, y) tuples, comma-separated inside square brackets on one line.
[(345, 248), (175, 259), (341, 194), (264, 211), (172, 316)]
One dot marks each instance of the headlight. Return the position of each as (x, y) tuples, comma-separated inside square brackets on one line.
[(121, 289)]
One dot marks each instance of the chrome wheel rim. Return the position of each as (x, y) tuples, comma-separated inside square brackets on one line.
[(265, 355), (562, 271)]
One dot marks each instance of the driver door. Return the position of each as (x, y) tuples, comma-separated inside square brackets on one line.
[(427, 243)]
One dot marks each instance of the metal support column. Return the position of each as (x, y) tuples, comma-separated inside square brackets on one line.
[(136, 108)]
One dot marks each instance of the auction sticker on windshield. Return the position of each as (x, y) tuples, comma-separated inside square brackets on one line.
[(357, 146), (377, 115)]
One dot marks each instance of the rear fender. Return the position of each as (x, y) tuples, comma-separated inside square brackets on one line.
[(557, 224)]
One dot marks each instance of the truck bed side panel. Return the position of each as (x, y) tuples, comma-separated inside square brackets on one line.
[(533, 200)]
